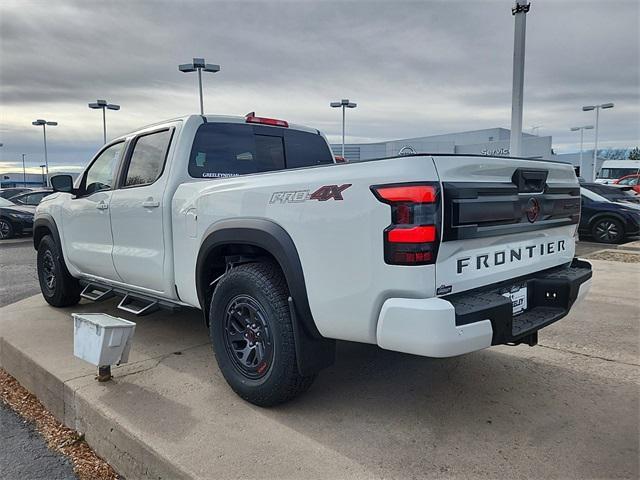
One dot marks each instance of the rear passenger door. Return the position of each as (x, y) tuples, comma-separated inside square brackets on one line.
[(137, 211)]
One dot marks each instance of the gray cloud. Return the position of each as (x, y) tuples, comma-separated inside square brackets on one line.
[(415, 68)]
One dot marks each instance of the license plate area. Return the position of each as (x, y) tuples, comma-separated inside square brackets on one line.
[(518, 296)]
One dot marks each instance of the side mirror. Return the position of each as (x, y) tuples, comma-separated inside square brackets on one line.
[(62, 183)]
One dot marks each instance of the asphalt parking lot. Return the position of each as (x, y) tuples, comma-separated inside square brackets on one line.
[(18, 277), (567, 408), (23, 452)]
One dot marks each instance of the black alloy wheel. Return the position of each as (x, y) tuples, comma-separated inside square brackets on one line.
[(48, 272), (247, 337)]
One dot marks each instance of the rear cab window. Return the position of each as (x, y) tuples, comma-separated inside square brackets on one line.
[(230, 149)]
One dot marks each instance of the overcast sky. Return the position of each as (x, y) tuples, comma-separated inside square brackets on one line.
[(414, 68)]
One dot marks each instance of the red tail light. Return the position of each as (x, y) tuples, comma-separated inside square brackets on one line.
[(411, 193), (251, 118), (413, 236)]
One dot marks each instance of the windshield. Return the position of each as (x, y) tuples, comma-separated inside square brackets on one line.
[(6, 203), (615, 173), (614, 194)]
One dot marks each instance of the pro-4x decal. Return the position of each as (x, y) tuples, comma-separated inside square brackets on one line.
[(328, 192), (322, 194)]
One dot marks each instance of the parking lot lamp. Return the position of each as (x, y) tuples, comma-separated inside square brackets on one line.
[(597, 108), (44, 124), (199, 65), (519, 12), (582, 129), (43, 177), (103, 105), (24, 172), (344, 103)]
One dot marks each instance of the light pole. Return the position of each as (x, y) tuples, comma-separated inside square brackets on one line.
[(597, 108), (519, 11), (44, 124), (43, 177), (24, 172), (582, 129), (344, 103), (103, 105), (199, 65)]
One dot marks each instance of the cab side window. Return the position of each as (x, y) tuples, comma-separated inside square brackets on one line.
[(101, 173), (147, 159), (32, 198)]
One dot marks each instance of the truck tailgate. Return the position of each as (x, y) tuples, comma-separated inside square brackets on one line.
[(503, 218)]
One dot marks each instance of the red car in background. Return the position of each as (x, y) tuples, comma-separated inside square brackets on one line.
[(630, 181)]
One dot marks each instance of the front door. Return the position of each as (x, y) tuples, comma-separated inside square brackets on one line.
[(137, 213), (86, 223)]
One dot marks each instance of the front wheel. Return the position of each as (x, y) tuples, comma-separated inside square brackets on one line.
[(252, 335), (607, 230), (58, 287)]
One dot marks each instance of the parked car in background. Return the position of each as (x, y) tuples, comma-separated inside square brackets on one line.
[(614, 193), (33, 197), (632, 181), (15, 219), (12, 192), (609, 214), (613, 170)]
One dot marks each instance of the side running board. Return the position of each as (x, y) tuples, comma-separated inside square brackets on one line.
[(137, 305), (96, 293), (134, 303)]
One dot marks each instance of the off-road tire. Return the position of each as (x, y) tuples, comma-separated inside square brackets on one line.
[(264, 283), (64, 290), (6, 229)]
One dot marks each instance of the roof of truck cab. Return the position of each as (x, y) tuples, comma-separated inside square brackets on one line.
[(216, 119)]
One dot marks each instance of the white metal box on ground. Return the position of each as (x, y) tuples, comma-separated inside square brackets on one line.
[(101, 339)]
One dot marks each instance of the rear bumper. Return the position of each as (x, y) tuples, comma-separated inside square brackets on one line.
[(476, 319)]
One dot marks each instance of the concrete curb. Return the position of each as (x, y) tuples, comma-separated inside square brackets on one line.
[(110, 439)]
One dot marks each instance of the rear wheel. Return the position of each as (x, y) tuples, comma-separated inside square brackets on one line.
[(6, 229), (252, 335), (607, 230), (58, 287)]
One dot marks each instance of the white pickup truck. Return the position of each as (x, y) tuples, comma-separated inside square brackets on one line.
[(250, 220)]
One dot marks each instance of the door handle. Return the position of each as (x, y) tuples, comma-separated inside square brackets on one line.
[(102, 205), (150, 204)]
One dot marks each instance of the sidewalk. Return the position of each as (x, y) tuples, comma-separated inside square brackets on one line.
[(567, 408)]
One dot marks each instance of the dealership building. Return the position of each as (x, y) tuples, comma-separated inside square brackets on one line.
[(490, 141)]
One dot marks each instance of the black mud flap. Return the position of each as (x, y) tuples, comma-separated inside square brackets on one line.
[(312, 354)]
